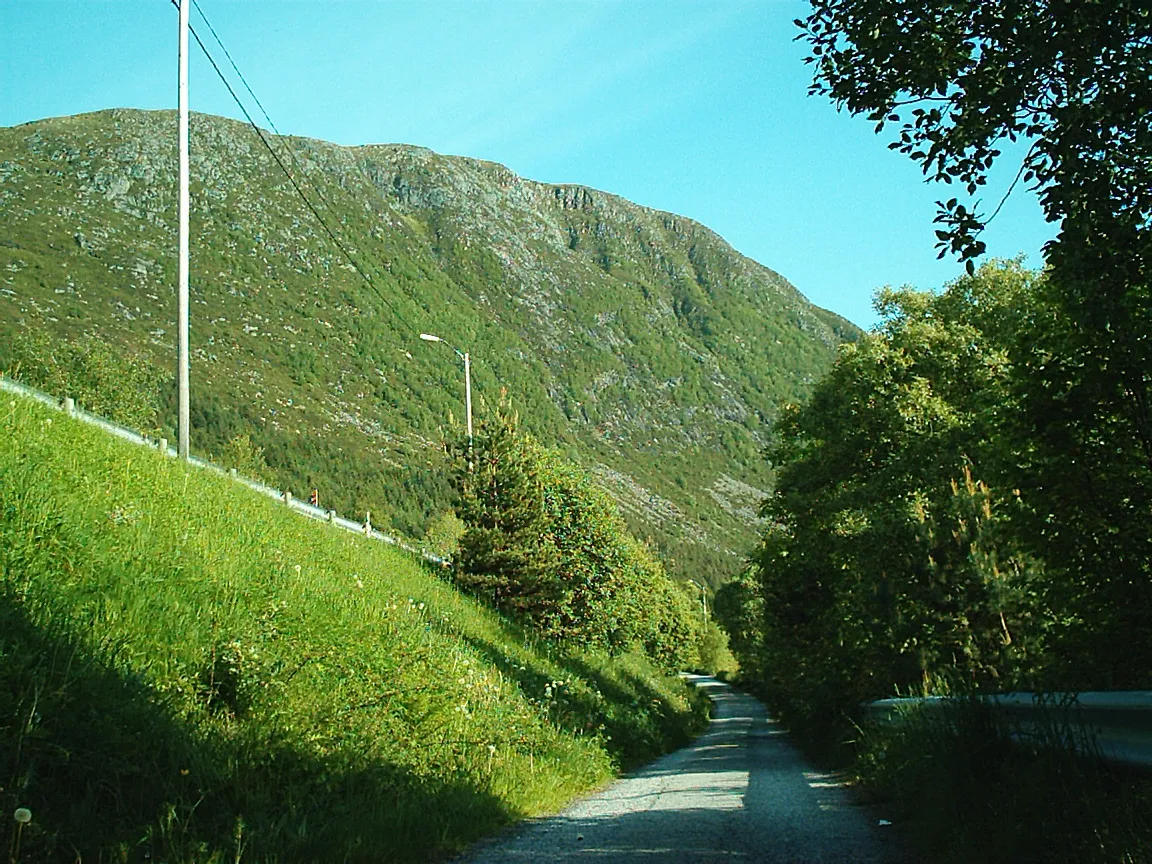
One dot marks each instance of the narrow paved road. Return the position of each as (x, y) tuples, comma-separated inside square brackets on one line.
[(741, 792)]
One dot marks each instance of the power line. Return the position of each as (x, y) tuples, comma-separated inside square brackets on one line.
[(296, 186), (235, 68), (291, 152)]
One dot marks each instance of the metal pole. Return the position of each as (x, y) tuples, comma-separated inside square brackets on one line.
[(468, 401), (430, 337), (182, 277)]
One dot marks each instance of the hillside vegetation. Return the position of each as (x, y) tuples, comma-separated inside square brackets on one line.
[(189, 672), (636, 342)]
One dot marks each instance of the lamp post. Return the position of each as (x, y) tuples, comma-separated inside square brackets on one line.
[(463, 355)]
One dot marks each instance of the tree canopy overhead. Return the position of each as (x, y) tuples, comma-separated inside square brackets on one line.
[(1073, 80), (960, 77)]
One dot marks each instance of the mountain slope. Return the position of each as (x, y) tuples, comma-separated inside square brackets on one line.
[(636, 341)]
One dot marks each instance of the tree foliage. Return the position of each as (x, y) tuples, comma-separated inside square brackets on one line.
[(1081, 446), (738, 606), (503, 554), (888, 562), (933, 527), (1062, 413), (545, 544), (1074, 80)]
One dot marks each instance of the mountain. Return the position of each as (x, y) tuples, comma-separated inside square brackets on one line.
[(636, 342)]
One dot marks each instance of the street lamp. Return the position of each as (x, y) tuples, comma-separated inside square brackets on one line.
[(428, 337)]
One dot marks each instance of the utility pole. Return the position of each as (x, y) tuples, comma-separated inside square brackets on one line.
[(182, 277)]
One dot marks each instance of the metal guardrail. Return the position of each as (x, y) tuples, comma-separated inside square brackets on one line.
[(1117, 725), (295, 504)]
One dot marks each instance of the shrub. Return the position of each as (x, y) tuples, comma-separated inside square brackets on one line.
[(121, 386)]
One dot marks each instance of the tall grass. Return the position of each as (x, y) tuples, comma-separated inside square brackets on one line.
[(190, 673), (968, 786)]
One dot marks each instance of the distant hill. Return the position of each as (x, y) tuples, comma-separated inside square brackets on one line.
[(635, 341)]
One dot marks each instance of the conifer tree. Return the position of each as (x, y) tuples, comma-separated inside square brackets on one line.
[(504, 554)]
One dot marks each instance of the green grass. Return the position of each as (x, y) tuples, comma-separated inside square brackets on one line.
[(964, 790), (190, 673)]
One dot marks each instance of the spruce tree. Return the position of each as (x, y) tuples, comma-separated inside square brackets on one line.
[(504, 553)]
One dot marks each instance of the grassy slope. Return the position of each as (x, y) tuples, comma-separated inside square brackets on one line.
[(188, 672)]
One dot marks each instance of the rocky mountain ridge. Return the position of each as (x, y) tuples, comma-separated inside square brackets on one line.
[(635, 341)]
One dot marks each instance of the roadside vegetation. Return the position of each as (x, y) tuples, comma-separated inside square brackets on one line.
[(188, 672), (959, 782), (918, 546), (962, 506), (546, 546)]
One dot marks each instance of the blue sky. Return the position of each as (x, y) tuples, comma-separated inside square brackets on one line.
[(698, 107)]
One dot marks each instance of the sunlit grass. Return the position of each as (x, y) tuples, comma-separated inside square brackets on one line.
[(189, 672)]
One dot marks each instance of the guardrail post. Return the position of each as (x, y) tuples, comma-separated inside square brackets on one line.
[(287, 496), (368, 524), (69, 406), (162, 446), (331, 515), (232, 473)]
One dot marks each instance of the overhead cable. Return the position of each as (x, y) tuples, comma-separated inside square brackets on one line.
[(264, 140)]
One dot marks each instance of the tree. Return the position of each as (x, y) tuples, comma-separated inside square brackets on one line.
[(504, 554), (887, 562), (1072, 81), (963, 76), (1080, 436), (246, 457), (546, 545), (739, 607)]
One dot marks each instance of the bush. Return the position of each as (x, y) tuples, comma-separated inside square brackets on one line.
[(122, 386), (248, 459), (970, 791), (715, 657)]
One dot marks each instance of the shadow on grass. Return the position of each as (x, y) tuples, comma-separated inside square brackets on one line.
[(112, 772), (635, 719)]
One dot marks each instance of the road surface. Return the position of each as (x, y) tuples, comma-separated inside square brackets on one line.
[(740, 793)]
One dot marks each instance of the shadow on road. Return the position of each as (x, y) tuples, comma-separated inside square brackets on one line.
[(740, 792)]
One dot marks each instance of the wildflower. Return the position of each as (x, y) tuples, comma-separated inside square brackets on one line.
[(491, 749), (420, 606), (23, 815), (298, 569)]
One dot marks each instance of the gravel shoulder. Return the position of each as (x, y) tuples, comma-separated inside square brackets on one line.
[(740, 792)]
